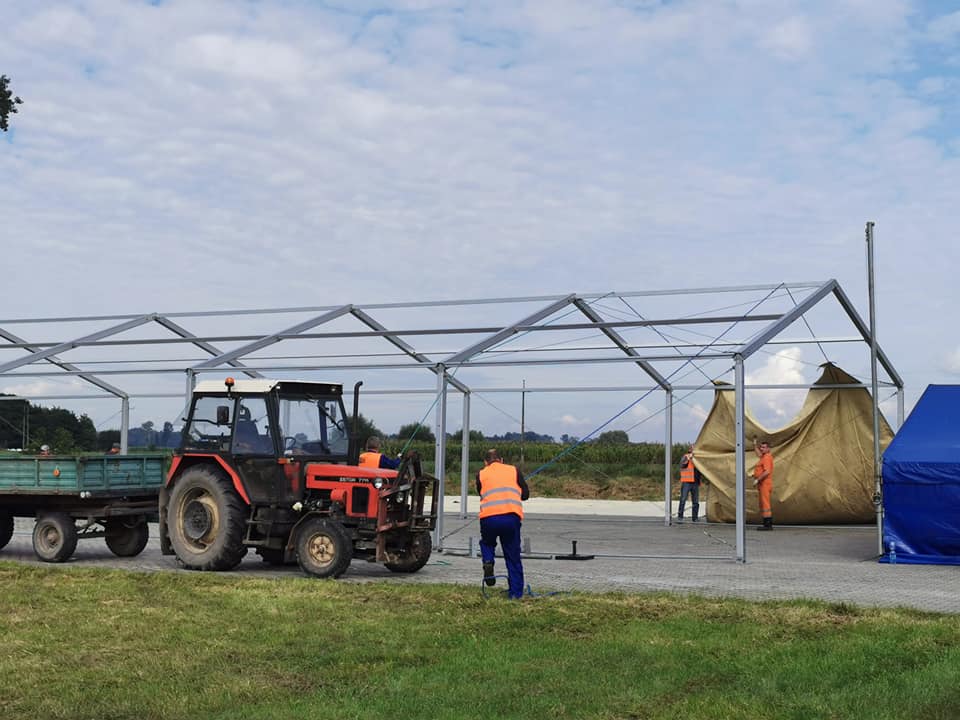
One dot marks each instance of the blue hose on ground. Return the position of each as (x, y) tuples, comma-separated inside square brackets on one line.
[(527, 593)]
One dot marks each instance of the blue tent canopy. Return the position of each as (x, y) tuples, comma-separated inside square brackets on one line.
[(921, 482)]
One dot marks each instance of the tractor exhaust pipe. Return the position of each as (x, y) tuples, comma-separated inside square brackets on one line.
[(355, 430)]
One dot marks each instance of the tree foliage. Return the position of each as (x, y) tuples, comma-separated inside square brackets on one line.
[(613, 437), (27, 426), (366, 428), (416, 431), (8, 103)]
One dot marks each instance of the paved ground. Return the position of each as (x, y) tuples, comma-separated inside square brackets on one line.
[(634, 552)]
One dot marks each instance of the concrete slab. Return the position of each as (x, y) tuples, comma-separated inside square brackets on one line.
[(632, 554)]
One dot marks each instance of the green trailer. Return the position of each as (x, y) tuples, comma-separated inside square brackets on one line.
[(73, 498)]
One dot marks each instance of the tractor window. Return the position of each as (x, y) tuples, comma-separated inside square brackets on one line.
[(313, 426), (252, 435), (209, 427)]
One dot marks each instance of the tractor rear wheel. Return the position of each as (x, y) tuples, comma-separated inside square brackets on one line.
[(324, 549), (6, 528), (415, 556), (54, 537), (205, 521), (126, 537)]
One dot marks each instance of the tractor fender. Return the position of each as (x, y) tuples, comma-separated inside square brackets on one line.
[(178, 465)]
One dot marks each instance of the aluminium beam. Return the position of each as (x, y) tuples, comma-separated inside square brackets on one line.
[(404, 347), (617, 340), (266, 340), (425, 304), (205, 346), (865, 334), (53, 359), (509, 331), (786, 320), (70, 345)]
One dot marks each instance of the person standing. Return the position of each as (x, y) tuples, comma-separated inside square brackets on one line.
[(690, 479), (373, 458), (502, 491), (763, 480)]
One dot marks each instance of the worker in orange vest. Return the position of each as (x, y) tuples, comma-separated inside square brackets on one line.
[(689, 485), (373, 458), (502, 489), (763, 480)]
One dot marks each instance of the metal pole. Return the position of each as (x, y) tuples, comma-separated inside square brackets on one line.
[(440, 450), (740, 411), (465, 456), (523, 420), (899, 408), (124, 424), (877, 479), (668, 460)]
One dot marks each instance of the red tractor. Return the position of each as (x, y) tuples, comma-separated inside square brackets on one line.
[(272, 465)]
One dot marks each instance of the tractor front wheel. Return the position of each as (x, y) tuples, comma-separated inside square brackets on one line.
[(324, 549), (415, 556), (126, 537), (205, 519)]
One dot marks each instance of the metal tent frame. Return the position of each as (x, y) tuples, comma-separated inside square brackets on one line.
[(481, 353)]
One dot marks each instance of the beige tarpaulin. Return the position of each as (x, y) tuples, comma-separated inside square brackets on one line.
[(823, 460)]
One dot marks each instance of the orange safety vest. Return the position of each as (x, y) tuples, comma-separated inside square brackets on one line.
[(499, 491), (370, 459), (687, 473)]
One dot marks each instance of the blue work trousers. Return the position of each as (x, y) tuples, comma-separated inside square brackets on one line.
[(693, 490), (506, 528)]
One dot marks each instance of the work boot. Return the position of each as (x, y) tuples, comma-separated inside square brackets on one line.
[(488, 577), (767, 524)]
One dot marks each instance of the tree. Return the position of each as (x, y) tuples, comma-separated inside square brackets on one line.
[(8, 103), (417, 432), (613, 437), (475, 436), (366, 428)]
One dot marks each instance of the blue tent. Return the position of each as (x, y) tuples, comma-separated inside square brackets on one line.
[(921, 482)]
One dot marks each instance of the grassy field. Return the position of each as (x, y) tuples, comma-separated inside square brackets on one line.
[(82, 643)]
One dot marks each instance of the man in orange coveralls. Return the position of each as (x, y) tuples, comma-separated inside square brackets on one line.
[(763, 480)]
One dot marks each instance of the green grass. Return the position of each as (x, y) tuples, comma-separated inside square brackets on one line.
[(85, 643)]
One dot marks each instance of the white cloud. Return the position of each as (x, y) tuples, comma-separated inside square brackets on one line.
[(218, 154), (952, 363), (785, 367)]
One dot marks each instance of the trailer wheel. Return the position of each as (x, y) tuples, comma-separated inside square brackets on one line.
[(205, 521), (6, 528), (415, 556), (54, 537), (324, 549), (126, 538)]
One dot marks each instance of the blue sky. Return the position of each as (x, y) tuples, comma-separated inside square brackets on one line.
[(182, 155)]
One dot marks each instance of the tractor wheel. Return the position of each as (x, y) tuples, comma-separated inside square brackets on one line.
[(324, 549), (415, 556), (205, 521), (54, 537), (126, 537), (6, 528)]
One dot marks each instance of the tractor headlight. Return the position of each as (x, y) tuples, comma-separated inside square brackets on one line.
[(378, 483)]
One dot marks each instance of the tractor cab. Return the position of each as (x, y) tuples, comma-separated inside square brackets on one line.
[(269, 418)]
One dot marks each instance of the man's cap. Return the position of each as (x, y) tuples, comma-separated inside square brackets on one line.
[(116, 445), (44, 447)]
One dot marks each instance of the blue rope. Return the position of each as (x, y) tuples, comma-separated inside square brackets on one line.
[(647, 394)]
